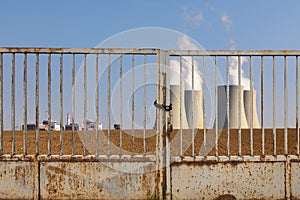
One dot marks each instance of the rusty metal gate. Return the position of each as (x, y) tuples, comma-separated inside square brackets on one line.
[(176, 124)]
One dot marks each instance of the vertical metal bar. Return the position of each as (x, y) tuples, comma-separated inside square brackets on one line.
[(160, 153), (227, 106), (25, 103), (297, 105), (132, 107), (193, 107), (97, 106), (108, 106), (180, 103), (274, 106), (73, 104), (84, 106), (163, 136), (204, 105), (251, 106), (145, 105), (61, 103), (1, 103), (160, 130), (262, 109), (121, 104), (157, 114), (285, 107), (239, 108), (37, 131), (216, 105), (49, 104), (13, 111), (166, 135)]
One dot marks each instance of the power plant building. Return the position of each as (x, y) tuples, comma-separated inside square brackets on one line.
[(175, 100), (194, 113), (236, 116)]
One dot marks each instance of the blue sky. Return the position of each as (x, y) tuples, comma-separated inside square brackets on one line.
[(254, 24), (212, 24)]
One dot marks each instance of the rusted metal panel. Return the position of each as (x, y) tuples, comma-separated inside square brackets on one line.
[(242, 180), (97, 180), (295, 180), (17, 180)]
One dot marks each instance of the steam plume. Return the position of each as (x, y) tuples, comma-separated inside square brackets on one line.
[(233, 72), (233, 68), (184, 43), (226, 21)]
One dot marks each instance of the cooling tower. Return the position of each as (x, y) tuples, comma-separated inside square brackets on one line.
[(68, 118), (247, 104), (198, 113), (175, 100), (235, 92)]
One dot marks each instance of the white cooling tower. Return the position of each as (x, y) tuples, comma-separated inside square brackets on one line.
[(175, 100), (247, 104), (68, 118), (198, 113), (235, 92)]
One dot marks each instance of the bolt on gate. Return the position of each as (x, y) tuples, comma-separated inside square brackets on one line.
[(149, 123)]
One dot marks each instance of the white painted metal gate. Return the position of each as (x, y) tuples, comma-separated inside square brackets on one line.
[(208, 142)]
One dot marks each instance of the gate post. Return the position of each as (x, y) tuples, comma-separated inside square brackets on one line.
[(168, 122), (162, 149), (1, 104)]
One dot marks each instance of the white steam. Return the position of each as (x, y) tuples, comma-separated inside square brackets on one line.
[(192, 17), (234, 60), (226, 21), (184, 43), (233, 72), (234, 67)]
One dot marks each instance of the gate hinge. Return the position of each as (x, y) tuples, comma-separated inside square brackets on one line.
[(164, 107)]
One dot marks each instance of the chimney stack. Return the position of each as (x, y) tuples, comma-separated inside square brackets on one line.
[(68, 118)]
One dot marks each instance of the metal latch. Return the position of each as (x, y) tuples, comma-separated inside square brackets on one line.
[(164, 107)]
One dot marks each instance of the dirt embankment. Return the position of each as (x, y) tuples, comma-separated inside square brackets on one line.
[(110, 141)]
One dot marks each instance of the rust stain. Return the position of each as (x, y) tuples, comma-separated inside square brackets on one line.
[(226, 197)]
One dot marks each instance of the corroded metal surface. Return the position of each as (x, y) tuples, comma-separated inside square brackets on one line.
[(89, 178), (97, 180), (295, 180), (17, 180), (242, 180)]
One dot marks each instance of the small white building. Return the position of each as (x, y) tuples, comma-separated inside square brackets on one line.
[(90, 125)]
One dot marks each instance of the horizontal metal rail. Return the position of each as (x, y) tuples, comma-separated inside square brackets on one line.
[(78, 50), (234, 52), (151, 51)]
